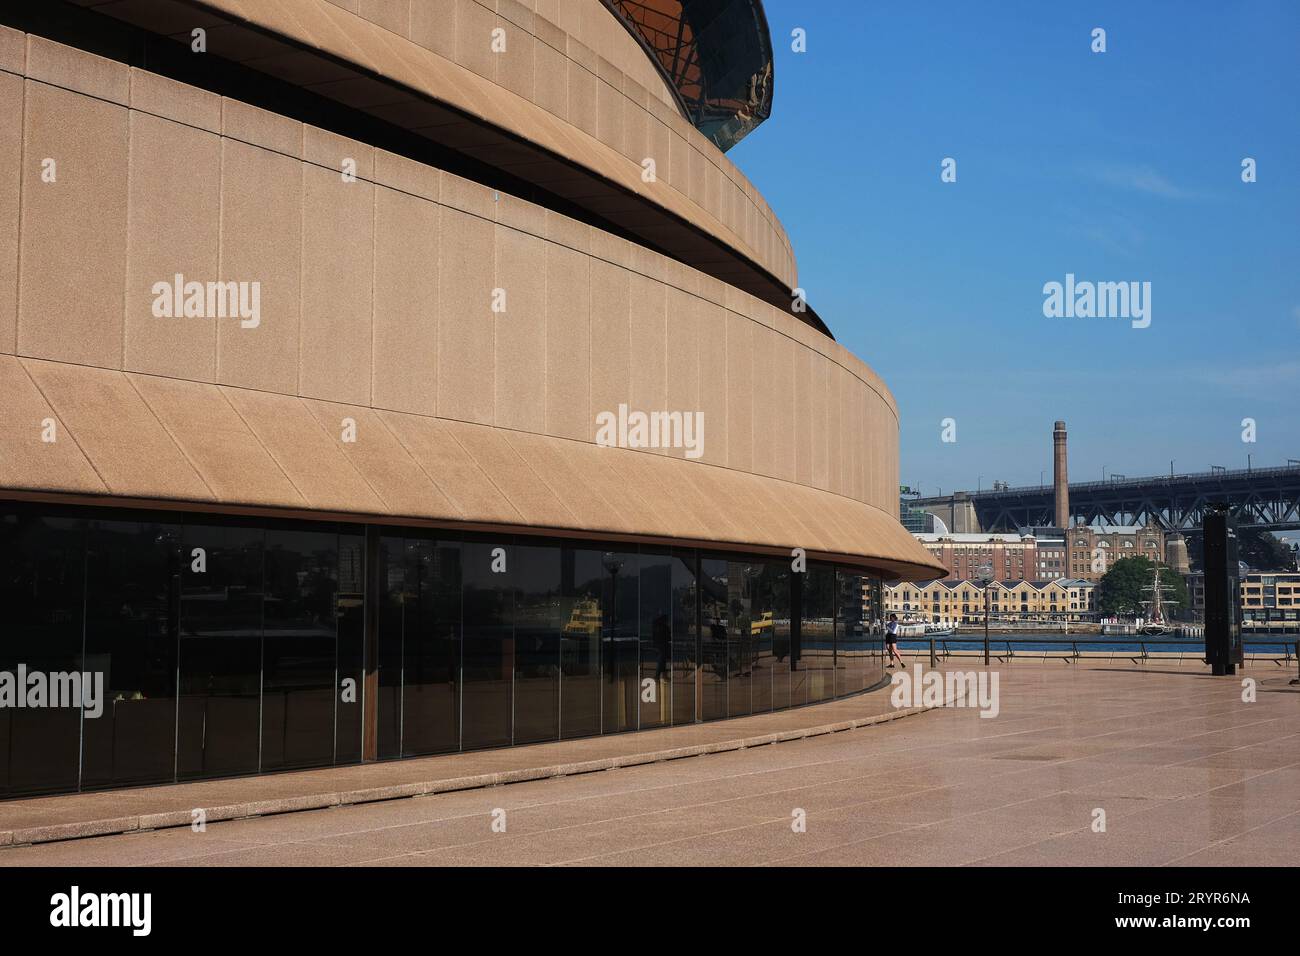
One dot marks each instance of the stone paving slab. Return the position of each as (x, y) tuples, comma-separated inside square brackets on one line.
[(74, 816)]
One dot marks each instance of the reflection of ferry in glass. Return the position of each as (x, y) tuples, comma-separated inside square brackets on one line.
[(763, 626), (585, 619)]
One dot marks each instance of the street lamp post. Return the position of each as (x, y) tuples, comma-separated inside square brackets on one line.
[(986, 579)]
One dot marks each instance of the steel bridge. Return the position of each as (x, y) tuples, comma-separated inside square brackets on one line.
[(1266, 498)]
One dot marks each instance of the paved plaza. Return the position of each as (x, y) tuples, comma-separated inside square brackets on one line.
[(1185, 771)]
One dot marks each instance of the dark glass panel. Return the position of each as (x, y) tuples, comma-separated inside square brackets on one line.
[(132, 601), (655, 690), (220, 651), (686, 637), (873, 611), (431, 648), (850, 633), (299, 648), (771, 630), (817, 631), (742, 578), (582, 627), (619, 640), (714, 633), (41, 574), (400, 586), (350, 613), (488, 648), (536, 576)]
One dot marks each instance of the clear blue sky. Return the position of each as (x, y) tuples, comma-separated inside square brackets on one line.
[(1123, 165)]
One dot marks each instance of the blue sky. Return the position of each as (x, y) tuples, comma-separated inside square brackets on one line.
[(1115, 166)]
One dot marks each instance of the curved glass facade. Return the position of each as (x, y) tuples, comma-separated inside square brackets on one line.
[(151, 647)]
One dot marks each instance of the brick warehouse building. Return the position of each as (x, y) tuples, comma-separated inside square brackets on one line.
[(310, 313)]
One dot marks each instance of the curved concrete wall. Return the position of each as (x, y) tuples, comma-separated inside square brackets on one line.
[(617, 105), (378, 294)]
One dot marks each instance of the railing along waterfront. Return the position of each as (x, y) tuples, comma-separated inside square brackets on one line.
[(1133, 648)]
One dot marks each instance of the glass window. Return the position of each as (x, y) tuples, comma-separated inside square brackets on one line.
[(220, 650), (298, 648), (714, 633), (132, 596), (620, 640), (686, 637), (582, 624), (488, 642), (351, 647), (537, 642), (817, 631), (41, 566), (656, 638)]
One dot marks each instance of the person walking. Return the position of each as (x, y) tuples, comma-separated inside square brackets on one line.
[(891, 641)]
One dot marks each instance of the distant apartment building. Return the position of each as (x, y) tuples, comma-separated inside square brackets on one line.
[(1094, 548), (962, 601), (1265, 596), (1004, 557)]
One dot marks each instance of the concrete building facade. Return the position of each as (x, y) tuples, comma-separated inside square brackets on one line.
[(387, 378)]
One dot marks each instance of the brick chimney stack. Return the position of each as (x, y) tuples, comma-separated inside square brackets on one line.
[(1060, 479)]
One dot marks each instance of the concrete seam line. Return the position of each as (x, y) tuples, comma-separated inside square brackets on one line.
[(173, 819)]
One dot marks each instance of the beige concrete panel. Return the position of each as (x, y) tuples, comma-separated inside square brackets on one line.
[(339, 154), (740, 392), (803, 411), (783, 437), (821, 435), (468, 196), (217, 442), (551, 85), (770, 502), (648, 380), (433, 26), (583, 96), (611, 360), (310, 456), (550, 9), (513, 476), (520, 343), (26, 460), (636, 132), (521, 215), (173, 100), (73, 265), (259, 127), (13, 51), (474, 25), (380, 458), (337, 295), (660, 147), (568, 345), (407, 175), (174, 212), (609, 115), (450, 467), (11, 175), (636, 515), (683, 357), (680, 505), (77, 70), (407, 251), (835, 428), (515, 64), (715, 494), (711, 337), (394, 15), (261, 240), (466, 354), (857, 481), (568, 232), (764, 400), (123, 440), (563, 467)]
